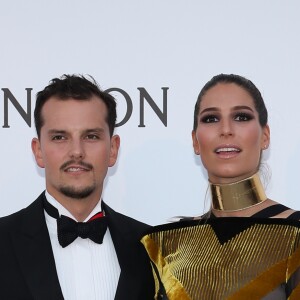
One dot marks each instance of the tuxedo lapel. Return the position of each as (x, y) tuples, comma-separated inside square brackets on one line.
[(34, 252), (125, 234), (119, 236)]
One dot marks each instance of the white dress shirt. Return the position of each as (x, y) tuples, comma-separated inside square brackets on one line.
[(86, 270)]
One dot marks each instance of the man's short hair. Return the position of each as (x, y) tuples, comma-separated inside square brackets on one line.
[(75, 87)]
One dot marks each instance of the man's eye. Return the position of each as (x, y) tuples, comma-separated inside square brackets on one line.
[(92, 137), (58, 138), (209, 119)]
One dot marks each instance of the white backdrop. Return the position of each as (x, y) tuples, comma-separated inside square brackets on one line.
[(151, 44)]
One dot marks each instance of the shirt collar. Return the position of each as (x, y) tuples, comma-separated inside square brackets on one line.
[(63, 211)]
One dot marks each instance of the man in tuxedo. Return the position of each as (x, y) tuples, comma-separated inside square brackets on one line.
[(69, 244)]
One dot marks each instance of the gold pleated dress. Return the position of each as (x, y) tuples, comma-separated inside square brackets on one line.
[(226, 258)]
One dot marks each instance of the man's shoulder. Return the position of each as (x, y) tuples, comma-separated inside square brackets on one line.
[(11, 220), (128, 223)]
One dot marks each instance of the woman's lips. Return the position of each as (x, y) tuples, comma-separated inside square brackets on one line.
[(227, 151)]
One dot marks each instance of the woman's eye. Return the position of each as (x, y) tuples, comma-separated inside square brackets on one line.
[(243, 117), (209, 119)]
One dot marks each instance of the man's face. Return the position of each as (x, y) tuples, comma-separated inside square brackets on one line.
[(75, 147)]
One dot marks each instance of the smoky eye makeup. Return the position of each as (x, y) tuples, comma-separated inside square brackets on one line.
[(209, 118), (243, 116)]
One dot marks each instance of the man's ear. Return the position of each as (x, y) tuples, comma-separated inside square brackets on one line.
[(37, 152), (195, 143), (114, 150)]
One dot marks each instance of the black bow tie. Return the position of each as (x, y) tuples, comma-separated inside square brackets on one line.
[(68, 229)]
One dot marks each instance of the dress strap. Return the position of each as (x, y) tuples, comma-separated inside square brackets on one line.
[(267, 212), (294, 216), (270, 211)]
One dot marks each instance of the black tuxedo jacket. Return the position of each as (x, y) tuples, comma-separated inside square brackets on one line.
[(27, 266)]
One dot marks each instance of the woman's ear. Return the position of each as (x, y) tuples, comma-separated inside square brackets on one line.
[(195, 143), (265, 141)]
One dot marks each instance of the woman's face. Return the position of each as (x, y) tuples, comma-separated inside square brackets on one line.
[(229, 137)]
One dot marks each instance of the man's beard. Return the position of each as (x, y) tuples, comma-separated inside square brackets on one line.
[(77, 193)]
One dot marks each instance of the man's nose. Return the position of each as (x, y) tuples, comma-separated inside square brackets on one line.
[(76, 149)]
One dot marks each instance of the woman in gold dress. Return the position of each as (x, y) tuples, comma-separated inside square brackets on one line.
[(247, 245)]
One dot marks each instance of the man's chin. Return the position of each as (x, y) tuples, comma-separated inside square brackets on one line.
[(77, 193)]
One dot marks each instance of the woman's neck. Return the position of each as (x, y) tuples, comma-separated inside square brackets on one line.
[(238, 198)]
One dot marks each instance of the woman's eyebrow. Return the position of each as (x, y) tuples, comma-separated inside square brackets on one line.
[(209, 109), (239, 107)]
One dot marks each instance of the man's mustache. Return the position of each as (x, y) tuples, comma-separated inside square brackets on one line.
[(73, 162)]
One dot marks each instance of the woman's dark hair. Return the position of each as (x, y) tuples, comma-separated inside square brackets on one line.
[(242, 82), (75, 87)]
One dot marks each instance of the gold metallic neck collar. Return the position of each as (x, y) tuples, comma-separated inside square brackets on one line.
[(238, 195)]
